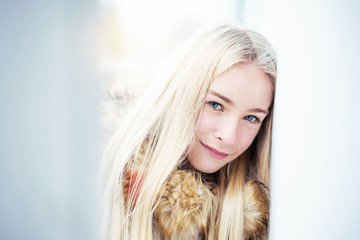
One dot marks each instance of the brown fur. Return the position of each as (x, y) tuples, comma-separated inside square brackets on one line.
[(257, 205), (184, 208), (186, 203)]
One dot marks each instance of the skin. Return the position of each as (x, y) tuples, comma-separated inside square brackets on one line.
[(235, 107)]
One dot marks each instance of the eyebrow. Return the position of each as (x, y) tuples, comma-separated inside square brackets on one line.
[(259, 110), (222, 97), (227, 100)]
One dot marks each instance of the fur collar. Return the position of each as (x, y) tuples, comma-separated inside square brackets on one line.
[(185, 205), (186, 202)]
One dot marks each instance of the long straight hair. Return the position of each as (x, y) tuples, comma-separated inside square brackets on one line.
[(158, 131)]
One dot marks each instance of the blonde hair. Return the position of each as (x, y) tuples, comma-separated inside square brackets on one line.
[(159, 130)]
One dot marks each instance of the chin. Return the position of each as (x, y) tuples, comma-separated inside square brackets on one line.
[(204, 168), (209, 171)]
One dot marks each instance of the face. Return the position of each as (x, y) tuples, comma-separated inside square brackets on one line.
[(236, 104)]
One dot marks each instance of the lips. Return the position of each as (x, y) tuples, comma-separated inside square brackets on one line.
[(213, 152)]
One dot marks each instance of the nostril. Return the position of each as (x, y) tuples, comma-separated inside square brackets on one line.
[(227, 139)]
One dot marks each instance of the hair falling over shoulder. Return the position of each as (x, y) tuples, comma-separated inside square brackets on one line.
[(147, 191)]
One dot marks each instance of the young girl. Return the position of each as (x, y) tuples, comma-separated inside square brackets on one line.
[(191, 161)]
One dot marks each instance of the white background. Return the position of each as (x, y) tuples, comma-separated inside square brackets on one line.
[(315, 168)]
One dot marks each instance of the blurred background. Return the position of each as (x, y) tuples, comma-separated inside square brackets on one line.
[(59, 58)]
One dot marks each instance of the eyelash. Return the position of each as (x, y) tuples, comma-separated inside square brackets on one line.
[(214, 106), (254, 118)]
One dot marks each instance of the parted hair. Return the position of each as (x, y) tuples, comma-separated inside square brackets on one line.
[(157, 132)]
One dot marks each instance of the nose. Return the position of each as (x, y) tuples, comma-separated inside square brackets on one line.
[(227, 132)]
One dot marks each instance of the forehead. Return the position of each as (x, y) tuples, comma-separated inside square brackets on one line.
[(244, 83)]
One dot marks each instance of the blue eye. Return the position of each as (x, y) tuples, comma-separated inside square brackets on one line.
[(251, 118), (215, 105)]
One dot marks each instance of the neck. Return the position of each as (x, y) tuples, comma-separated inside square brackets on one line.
[(206, 177)]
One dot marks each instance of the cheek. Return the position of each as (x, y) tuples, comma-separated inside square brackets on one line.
[(246, 137), (206, 124)]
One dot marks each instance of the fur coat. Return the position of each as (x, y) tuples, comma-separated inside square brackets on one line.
[(187, 201), (184, 207)]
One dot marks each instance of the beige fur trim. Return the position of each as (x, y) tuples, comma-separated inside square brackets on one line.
[(184, 208)]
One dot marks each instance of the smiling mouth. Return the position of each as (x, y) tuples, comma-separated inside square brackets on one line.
[(213, 152)]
